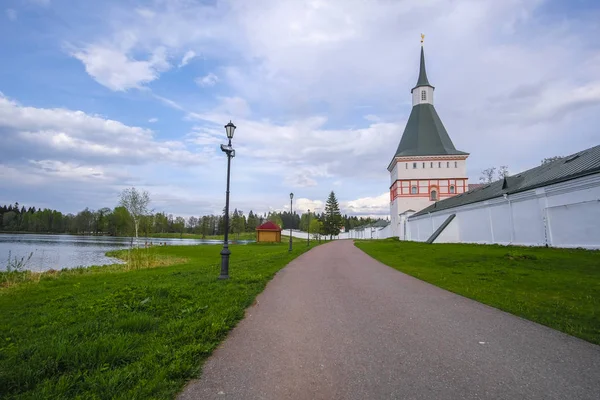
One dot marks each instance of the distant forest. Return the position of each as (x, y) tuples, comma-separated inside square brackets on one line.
[(117, 221)]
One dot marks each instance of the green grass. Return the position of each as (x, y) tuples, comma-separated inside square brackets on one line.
[(121, 333), (233, 236), (559, 288)]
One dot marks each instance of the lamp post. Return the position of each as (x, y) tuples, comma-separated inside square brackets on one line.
[(291, 219), (308, 230), (227, 149)]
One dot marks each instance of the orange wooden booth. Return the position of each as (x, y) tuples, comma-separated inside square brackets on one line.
[(268, 232)]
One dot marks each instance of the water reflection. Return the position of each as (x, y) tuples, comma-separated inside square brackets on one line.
[(70, 251)]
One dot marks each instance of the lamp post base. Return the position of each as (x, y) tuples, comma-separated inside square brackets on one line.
[(225, 263)]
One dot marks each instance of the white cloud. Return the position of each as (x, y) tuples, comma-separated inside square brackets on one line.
[(11, 14), (379, 205), (145, 13), (116, 70), (207, 80), (153, 120), (74, 136), (186, 58)]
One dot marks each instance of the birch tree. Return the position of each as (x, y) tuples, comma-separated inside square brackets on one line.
[(136, 203)]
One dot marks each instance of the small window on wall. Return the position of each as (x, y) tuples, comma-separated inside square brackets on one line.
[(414, 165), (431, 165), (455, 164), (413, 190), (439, 165), (433, 195), (451, 189), (423, 95), (406, 164), (423, 165), (448, 164)]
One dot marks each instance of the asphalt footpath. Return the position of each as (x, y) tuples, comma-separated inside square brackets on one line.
[(336, 324)]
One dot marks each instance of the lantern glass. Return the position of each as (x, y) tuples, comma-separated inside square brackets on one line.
[(291, 196), (230, 129)]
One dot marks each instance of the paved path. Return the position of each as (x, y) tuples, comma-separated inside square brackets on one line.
[(336, 324)]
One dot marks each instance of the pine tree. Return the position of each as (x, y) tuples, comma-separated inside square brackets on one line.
[(333, 217)]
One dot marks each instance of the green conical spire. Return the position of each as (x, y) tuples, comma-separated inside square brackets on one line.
[(422, 81)]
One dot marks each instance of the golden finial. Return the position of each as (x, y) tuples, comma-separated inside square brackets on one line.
[(422, 39)]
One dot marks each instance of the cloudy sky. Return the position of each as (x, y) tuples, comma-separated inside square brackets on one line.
[(96, 96)]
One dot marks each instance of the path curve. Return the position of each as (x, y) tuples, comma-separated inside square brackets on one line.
[(336, 324)]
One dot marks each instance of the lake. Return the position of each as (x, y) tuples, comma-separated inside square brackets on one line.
[(70, 251)]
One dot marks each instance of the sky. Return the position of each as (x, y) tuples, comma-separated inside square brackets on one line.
[(99, 96)]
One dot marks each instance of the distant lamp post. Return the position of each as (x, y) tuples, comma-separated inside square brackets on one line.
[(308, 230), (291, 219), (227, 149)]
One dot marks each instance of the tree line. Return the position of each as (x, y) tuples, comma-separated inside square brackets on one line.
[(119, 221)]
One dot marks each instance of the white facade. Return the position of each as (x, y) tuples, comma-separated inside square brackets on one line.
[(418, 182), (422, 95), (565, 214)]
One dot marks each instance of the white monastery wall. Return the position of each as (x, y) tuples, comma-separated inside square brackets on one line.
[(565, 214)]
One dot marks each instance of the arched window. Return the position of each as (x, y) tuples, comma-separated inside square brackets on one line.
[(431, 165), (423, 165), (451, 189), (406, 164), (414, 165), (447, 164), (440, 164), (455, 164), (413, 190), (433, 195), (423, 95)]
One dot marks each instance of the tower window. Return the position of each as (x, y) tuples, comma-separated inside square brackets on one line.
[(439, 165), (413, 190), (406, 165), (414, 165), (423, 95), (433, 195), (431, 165), (448, 164), (455, 164), (423, 165), (451, 189)]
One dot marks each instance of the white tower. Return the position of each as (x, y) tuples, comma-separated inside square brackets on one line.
[(426, 166)]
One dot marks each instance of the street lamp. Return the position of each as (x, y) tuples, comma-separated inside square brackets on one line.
[(227, 149), (291, 219), (308, 230)]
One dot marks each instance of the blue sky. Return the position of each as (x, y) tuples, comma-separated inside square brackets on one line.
[(99, 96)]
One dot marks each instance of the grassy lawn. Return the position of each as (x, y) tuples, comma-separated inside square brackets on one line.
[(559, 288), (233, 236), (117, 333)]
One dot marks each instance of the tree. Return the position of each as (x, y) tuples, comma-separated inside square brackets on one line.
[(179, 226), (252, 222), (316, 227), (491, 174), (487, 175), (275, 218), (136, 203), (333, 217), (503, 172), (550, 159), (237, 222)]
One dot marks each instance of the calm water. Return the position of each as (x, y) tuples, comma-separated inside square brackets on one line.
[(69, 251)]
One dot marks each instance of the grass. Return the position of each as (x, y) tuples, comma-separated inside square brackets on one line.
[(233, 236), (127, 333), (559, 288)]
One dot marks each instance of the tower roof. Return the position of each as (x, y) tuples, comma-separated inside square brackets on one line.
[(422, 81), (425, 135)]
